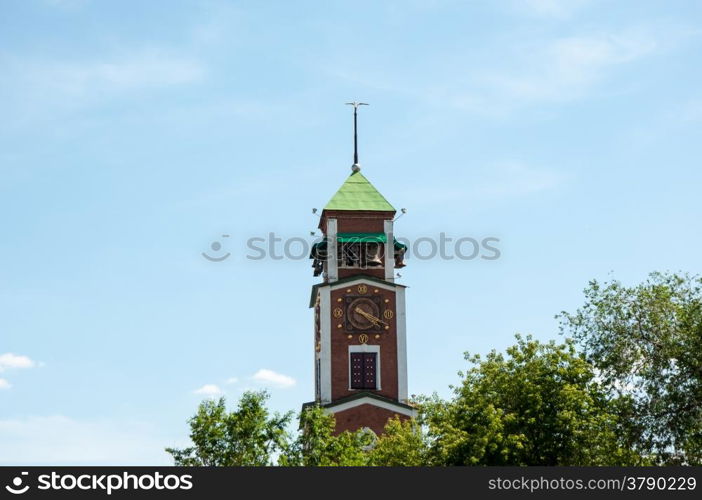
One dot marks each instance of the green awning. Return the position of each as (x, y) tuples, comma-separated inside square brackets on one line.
[(319, 249), (361, 237), (398, 245)]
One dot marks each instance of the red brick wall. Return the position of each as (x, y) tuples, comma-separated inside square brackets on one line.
[(364, 415), (356, 221), (371, 271), (340, 346)]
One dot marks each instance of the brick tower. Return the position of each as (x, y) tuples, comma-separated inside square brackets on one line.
[(360, 336)]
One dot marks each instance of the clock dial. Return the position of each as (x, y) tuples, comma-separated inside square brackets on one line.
[(363, 313)]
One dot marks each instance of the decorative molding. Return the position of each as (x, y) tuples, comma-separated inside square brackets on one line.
[(401, 322), (362, 279), (366, 348), (386, 405), (332, 263), (352, 280), (389, 251), (325, 369)]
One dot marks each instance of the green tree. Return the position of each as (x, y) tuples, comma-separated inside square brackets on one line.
[(247, 436), (403, 444), (646, 343), (316, 444), (538, 405)]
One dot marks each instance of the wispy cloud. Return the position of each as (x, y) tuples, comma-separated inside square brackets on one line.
[(34, 88), (691, 111), (493, 183), (60, 440), (66, 4), (142, 70), (549, 8), (209, 390), (561, 70), (514, 179), (10, 360), (263, 377), (525, 70), (273, 379)]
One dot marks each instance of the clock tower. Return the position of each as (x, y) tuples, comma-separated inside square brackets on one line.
[(360, 334)]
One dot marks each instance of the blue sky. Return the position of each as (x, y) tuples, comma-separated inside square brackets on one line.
[(135, 134)]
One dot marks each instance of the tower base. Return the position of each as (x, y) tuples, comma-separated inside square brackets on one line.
[(365, 410)]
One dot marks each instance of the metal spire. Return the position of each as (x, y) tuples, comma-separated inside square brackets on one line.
[(355, 167)]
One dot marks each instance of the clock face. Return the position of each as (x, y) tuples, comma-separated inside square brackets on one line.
[(363, 313)]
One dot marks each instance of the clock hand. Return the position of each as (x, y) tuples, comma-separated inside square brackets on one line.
[(365, 315), (370, 317)]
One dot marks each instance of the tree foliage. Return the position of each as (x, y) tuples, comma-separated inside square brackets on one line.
[(632, 395), (403, 444), (538, 405), (316, 444), (646, 343), (247, 436)]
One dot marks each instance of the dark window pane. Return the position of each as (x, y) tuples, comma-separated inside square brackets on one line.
[(369, 370), (363, 370)]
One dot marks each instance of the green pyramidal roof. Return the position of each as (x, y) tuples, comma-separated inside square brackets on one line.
[(357, 193)]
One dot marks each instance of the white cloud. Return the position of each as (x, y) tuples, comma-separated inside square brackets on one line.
[(209, 390), (149, 69), (60, 440), (271, 378), (66, 4), (512, 179), (550, 8), (560, 70), (36, 89), (9, 360), (4, 384), (691, 111), (490, 183), (232, 380), (524, 70)]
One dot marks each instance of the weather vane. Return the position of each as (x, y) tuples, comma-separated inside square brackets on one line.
[(356, 167)]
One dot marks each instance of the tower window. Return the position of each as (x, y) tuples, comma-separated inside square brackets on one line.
[(363, 370), (360, 255)]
